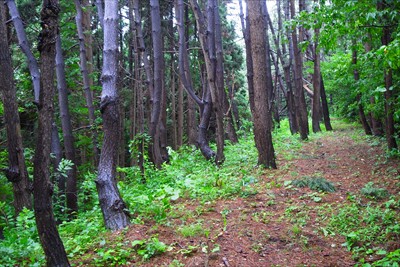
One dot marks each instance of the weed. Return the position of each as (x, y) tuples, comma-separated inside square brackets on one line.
[(315, 183), (192, 230), (374, 192), (148, 248)]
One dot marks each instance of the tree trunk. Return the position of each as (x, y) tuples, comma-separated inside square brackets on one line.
[(66, 125), (156, 94), (16, 172), (262, 115), (299, 98), (249, 60), (219, 80), (316, 107), (361, 112), (113, 208), (24, 44), (389, 107), (86, 80), (207, 42), (325, 109), (42, 187)]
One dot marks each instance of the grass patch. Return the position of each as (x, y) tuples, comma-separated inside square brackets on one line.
[(315, 183)]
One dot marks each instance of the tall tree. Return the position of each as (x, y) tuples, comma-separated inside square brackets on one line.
[(208, 43), (389, 109), (356, 75), (66, 125), (316, 107), (185, 76), (85, 78), (299, 98), (42, 187), (156, 93), (25, 47), (16, 173), (113, 207), (261, 115)]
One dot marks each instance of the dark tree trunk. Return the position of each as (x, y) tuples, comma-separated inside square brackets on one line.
[(113, 207), (389, 107), (86, 80), (227, 111), (316, 107), (66, 125), (207, 42), (42, 187), (325, 109), (292, 111), (376, 124), (361, 112), (156, 93), (24, 44), (262, 116), (249, 60), (299, 98), (16, 172)]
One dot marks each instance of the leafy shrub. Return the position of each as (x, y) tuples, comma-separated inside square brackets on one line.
[(315, 183), (149, 248), (374, 192)]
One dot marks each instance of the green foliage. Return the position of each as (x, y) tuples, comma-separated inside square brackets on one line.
[(149, 248), (366, 226), (374, 192), (192, 230), (21, 246), (315, 183)]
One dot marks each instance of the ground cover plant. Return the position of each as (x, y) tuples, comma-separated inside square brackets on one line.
[(334, 201)]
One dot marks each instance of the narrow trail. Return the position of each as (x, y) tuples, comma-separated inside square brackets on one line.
[(280, 225)]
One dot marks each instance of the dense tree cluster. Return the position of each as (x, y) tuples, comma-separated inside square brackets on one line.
[(115, 83)]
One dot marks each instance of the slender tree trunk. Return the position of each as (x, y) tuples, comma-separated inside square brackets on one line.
[(113, 207), (207, 42), (66, 125), (325, 109), (86, 79), (262, 115), (24, 45), (249, 60), (299, 98), (292, 111), (156, 93), (389, 107), (16, 172), (42, 187), (316, 108), (100, 11), (219, 80), (361, 112)]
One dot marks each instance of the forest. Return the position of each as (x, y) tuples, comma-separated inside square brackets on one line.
[(200, 133)]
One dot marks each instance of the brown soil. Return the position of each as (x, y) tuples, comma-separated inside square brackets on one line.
[(280, 225)]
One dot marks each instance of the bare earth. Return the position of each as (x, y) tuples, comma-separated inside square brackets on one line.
[(280, 225)]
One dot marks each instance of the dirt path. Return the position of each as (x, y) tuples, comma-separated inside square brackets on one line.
[(280, 225)]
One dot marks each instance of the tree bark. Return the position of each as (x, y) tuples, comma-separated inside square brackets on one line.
[(219, 80), (299, 98), (16, 172), (112, 206), (389, 107), (156, 94), (86, 80), (316, 107), (207, 42), (25, 47), (249, 60), (325, 109), (42, 187), (361, 112), (262, 115), (66, 125)]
